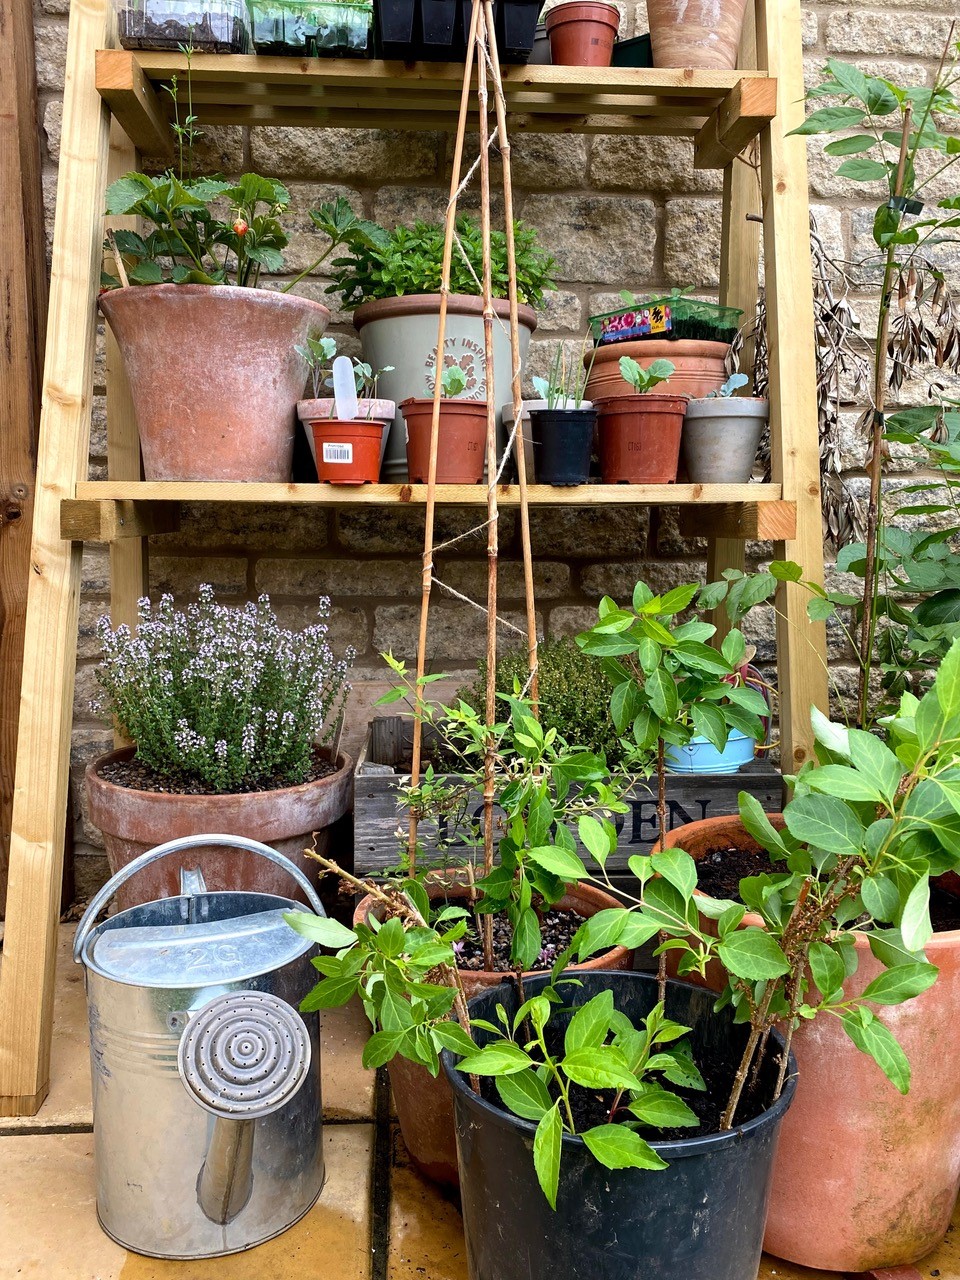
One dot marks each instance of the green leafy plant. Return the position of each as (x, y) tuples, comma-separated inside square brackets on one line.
[(453, 381), (566, 382), (644, 380), (729, 388), (318, 354), (390, 264), (221, 698)]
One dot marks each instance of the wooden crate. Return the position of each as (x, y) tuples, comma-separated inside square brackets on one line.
[(383, 762)]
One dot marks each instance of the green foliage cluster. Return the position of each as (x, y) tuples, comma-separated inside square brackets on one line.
[(644, 380)]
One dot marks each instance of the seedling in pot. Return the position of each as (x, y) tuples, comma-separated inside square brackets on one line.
[(453, 382), (729, 388), (644, 380), (565, 385), (318, 354)]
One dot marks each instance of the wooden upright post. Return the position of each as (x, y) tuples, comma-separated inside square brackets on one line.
[(795, 450), (23, 290), (43, 750)]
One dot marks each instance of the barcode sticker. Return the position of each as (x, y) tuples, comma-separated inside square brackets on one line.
[(338, 453)]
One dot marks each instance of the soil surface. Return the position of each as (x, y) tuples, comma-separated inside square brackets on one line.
[(140, 777), (556, 927), (720, 871), (204, 32), (944, 910)]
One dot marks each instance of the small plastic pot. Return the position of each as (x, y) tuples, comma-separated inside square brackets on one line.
[(721, 437), (640, 438), (461, 444), (347, 452), (701, 1218), (582, 33), (562, 444), (701, 756)]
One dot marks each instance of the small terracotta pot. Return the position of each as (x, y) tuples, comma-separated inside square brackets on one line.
[(134, 821), (322, 410), (700, 366), (582, 33), (640, 438), (878, 1172), (461, 443), (347, 452), (702, 35), (214, 376), (424, 1103)]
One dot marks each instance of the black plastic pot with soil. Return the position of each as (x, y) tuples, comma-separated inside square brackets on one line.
[(701, 1218), (562, 445), (436, 30)]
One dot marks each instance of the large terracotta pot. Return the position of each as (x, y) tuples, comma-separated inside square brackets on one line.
[(214, 376), (424, 1103), (133, 821), (703, 34), (700, 366), (865, 1177), (402, 332)]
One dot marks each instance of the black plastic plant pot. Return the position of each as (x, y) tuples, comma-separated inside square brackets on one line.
[(701, 1218), (562, 444), (393, 28)]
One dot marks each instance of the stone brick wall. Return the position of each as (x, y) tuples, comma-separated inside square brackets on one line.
[(615, 212)]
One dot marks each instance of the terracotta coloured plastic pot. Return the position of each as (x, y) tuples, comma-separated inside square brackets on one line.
[(640, 438), (865, 1177), (402, 333), (347, 452), (214, 374), (424, 1103), (134, 821), (582, 33), (703, 34), (700, 366), (310, 411), (461, 443)]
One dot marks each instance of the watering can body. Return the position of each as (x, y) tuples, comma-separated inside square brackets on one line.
[(206, 1079)]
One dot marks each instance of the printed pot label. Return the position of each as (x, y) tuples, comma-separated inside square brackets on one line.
[(338, 453), (468, 355)]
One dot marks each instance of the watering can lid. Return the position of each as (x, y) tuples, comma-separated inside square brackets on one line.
[(196, 955)]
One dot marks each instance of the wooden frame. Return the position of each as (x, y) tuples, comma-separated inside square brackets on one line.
[(723, 111)]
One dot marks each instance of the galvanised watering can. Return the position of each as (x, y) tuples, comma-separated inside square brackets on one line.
[(206, 1080)]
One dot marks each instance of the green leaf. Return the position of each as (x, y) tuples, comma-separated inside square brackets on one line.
[(594, 838), (819, 609), (588, 1027), (391, 938), (661, 690), (601, 931), (450, 1035), (618, 1148), (870, 1036), (559, 862), (662, 1109), (847, 147), (827, 968), (947, 683), (500, 1059), (330, 994), (902, 983), (860, 169), (603, 1068), (826, 823), (915, 926), (759, 826), (831, 120), (127, 192), (546, 1153), (880, 897), (525, 1094), (677, 868), (844, 782), (381, 1047), (676, 601), (876, 762), (328, 932), (527, 942), (752, 954), (709, 722)]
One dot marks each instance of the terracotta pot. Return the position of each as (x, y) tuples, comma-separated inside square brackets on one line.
[(640, 438), (134, 821), (347, 452), (214, 376), (582, 33), (461, 443), (424, 1103), (696, 33), (402, 332), (700, 366), (310, 411), (864, 1177)]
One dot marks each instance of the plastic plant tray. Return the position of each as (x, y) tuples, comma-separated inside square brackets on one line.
[(436, 30), (207, 26), (330, 28), (668, 317)]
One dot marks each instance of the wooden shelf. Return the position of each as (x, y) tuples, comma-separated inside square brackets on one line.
[(722, 110), (103, 510)]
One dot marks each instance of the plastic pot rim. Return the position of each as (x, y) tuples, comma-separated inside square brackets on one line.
[(679, 1149)]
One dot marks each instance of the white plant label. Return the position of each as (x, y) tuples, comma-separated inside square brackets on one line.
[(338, 453)]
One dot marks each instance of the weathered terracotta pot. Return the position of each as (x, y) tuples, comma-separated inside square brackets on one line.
[(424, 1103), (864, 1177), (582, 33), (640, 438), (461, 441), (133, 821), (214, 376), (700, 34), (700, 366)]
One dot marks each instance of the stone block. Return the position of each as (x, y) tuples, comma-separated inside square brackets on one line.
[(184, 575), (618, 578), (457, 631), (691, 247), (551, 579), (393, 530), (561, 310), (51, 53), (95, 568), (306, 242), (218, 149), (588, 533), (231, 526), (52, 127), (594, 239), (380, 155), (649, 164), (809, 29), (865, 31), (374, 578), (544, 161), (349, 628)]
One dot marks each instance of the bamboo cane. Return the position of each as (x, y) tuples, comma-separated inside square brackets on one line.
[(427, 575), (501, 109), (489, 757)]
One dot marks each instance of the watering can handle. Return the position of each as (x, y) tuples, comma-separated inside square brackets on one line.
[(101, 898)]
